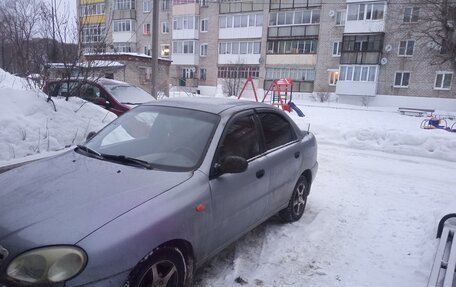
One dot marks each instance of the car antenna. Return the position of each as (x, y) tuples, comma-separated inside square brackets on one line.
[(308, 128)]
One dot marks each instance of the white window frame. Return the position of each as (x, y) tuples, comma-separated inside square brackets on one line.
[(333, 77), (350, 71), (402, 86), (339, 48), (121, 25), (412, 12), (204, 26), (203, 74), (204, 49), (343, 17), (406, 48), (147, 6), (123, 4), (365, 10), (444, 74), (164, 27)]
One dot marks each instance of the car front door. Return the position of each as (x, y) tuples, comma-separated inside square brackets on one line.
[(240, 199), (283, 156)]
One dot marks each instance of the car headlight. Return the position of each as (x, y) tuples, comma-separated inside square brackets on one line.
[(48, 264)]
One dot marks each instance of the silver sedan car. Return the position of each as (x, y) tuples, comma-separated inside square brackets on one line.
[(152, 196)]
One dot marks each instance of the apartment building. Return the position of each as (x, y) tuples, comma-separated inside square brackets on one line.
[(353, 48)]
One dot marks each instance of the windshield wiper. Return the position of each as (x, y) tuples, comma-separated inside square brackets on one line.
[(89, 150), (127, 160), (129, 103)]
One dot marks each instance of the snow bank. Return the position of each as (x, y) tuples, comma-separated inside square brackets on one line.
[(29, 125), (376, 129)]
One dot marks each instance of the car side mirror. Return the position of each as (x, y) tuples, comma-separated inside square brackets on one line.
[(232, 164), (90, 136)]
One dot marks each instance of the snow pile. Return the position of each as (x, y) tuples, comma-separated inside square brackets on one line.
[(29, 125), (376, 129)]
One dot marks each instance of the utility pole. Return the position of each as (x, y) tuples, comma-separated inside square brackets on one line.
[(154, 47)]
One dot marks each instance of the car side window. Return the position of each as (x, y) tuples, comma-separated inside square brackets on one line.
[(241, 139), (277, 130), (89, 92)]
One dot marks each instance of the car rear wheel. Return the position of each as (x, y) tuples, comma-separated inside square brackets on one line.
[(164, 268), (297, 203)]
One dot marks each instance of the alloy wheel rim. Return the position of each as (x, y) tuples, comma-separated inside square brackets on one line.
[(299, 201), (161, 274)]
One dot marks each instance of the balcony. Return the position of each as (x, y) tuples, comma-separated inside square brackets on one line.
[(249, 59), (292, 59), (185, 34), (120, 37), (186, 9), (241, 32), (241, 6), (365, 17), (123, 14), (364, 26), (294, 31), (362, 49), (185, 59), (356, 88), (357, 80)]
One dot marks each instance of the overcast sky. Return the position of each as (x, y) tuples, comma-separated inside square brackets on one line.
[(65, 6)]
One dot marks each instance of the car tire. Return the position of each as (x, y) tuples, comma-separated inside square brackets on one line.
[(164, 267), (297, 204)]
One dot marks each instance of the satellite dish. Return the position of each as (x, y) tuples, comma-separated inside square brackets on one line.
[(383, 61), (260, 60), (388, 48), (431, 44), (332, 13)]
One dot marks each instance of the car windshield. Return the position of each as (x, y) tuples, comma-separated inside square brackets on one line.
[(126, 94), (167, 138)]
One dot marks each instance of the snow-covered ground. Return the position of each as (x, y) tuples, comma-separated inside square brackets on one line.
[(382, 186)]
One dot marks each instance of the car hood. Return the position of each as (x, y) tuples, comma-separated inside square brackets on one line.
[(64, 199)]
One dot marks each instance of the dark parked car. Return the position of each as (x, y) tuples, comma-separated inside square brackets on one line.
[(153, 195), (115, 96)]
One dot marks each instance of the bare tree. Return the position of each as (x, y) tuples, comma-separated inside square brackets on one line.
[(19, 25), (233, 79), (435, 27)]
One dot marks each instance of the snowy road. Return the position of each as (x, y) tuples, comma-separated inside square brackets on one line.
[(370, 221)]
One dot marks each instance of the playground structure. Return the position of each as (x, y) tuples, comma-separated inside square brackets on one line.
[(281, 93), (435, 122)]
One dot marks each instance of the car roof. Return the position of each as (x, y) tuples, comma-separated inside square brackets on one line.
[(210, 104), (103, 81)]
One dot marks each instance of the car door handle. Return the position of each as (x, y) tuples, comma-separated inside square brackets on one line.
[(297, 154), (260, 173)]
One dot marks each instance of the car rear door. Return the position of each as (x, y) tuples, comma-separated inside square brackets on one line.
[(239, 200), (282, 156)]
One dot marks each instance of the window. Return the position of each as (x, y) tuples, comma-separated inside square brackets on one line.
[(411, 14), (93, 33), (146, 5), (230, 72), (401, 80), (238, 21), (443, 80), (277, 131), (92, 9), (122, 47), (165, 27), (406, 48), (124, 4), (203, 74), (203, 50), (302, 17), (333, 77), (240, 47), (204, 25), (146, 29), (357, 73), (188, 73), (203, 3), (164, 50), (292, 47), (124, 25), (340, 18), (183, 47), (241, 139), (165, 5), (295, 74), (337, 48), (89, 92), (360, 12), (184, 22), (147, 50)]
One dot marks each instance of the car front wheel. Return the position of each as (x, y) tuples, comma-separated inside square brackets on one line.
[(164, 268), (297, 203)]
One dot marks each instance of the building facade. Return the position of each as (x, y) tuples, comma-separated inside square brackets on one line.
[(353, 48)]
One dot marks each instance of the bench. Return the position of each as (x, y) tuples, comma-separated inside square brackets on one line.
[(415, 112), (444, 267)]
